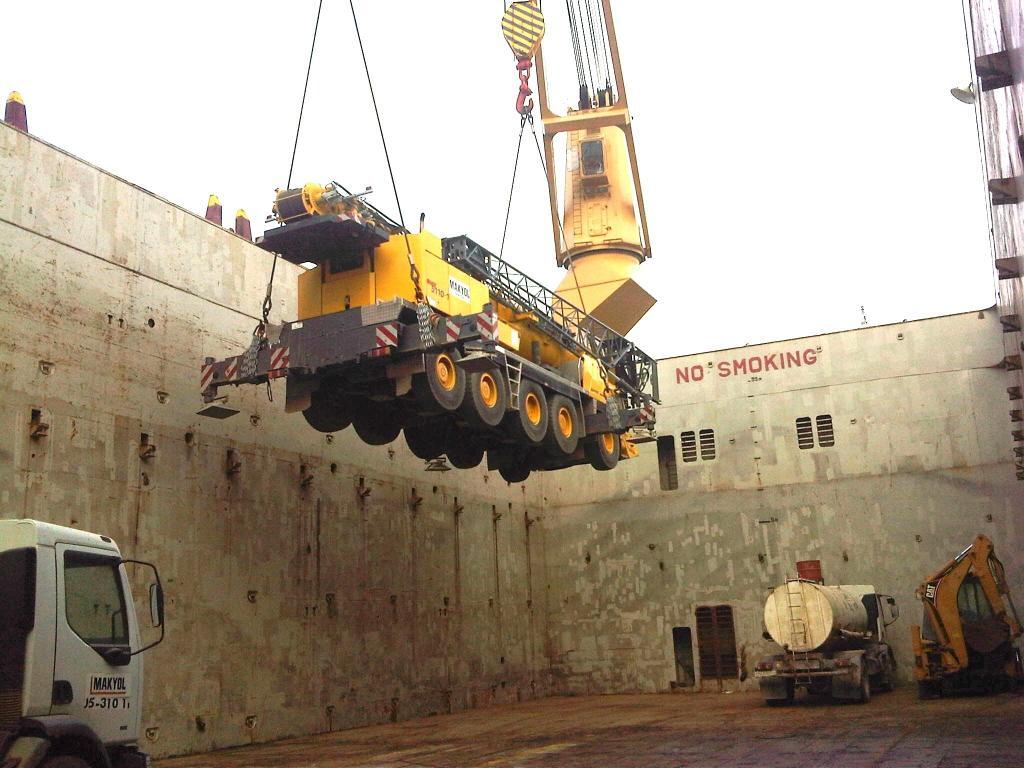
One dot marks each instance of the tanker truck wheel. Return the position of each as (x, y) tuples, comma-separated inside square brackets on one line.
[(865, 688), (602, 451), (376, 423), (787, 699), (327, 412), (442, 385)]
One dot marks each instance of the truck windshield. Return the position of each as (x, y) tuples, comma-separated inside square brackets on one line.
[(94, 601)]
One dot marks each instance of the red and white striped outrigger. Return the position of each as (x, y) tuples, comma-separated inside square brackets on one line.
[(322, 345)]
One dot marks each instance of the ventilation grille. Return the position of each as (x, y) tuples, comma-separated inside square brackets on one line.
[(804, 432), (689, 444), (10, 706)]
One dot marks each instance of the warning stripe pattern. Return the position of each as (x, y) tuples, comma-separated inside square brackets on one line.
[(279, 358), (231, 369), (523, 27), (452, 330), (387, 335), (487, 325)]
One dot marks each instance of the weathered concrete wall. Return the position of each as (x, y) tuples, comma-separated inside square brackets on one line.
[(301, 605), (919, 467)]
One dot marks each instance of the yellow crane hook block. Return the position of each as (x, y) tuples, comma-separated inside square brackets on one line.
[(523, 27)]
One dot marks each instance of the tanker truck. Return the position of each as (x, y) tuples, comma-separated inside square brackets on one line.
[(833, 641)]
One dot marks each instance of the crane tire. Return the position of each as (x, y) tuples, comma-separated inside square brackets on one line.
[(464, 451), (486, 399), (529, 424), (441, 387), (426, 439), (327, 412), (376, 423), (514, 472), (602, 451), (64, 761), (563, 425)]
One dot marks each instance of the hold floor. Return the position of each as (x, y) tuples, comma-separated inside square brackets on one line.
[(669, 731)]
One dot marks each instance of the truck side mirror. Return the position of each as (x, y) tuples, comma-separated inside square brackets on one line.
[(156, 604)]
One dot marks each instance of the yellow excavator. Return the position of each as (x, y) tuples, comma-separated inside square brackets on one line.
[(967, 638)]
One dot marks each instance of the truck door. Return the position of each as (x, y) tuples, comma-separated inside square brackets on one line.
[(94, 617)]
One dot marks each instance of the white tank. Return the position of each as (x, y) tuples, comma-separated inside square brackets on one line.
[(806, 616)]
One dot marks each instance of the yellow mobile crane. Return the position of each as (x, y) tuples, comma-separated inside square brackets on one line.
[(966, 641), (447, 342)]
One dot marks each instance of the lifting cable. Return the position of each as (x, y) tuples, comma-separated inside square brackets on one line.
[(414, 272), (512, 187), (259, 334), (305, 89)]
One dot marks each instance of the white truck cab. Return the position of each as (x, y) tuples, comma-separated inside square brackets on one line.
[(70, 663)]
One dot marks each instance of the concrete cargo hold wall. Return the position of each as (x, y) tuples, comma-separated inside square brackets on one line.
[(915, 462), (294, 604)]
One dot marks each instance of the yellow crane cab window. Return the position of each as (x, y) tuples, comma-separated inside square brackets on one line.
[(592, 153)]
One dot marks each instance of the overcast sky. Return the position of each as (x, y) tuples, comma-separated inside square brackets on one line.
[(799, 159)]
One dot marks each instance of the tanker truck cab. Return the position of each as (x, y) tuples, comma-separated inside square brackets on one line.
[(70, 649), (833, 641)]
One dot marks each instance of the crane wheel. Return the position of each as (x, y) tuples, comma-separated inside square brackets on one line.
[(602, 451), (464, 451), (563, 425), (377, 423), (486, 399), (530, 423), (327, 413), (514, 473), (442, 385), (426, 439)]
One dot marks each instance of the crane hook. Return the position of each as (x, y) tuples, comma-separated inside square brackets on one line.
[(524, 104)]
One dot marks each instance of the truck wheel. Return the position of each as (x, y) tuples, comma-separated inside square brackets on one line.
[(442, 385), (602, 451), (786, 699), (426, 439), (64, 761), (530, 422), (485, 400), (327, 413), (464, 451), (563, 424), (376, 423), (865, 688)]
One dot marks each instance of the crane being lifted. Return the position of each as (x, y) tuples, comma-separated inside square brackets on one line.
[(442, 339), (966, 641)]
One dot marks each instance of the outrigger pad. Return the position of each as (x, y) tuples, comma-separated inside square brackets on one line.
[(319, 238)]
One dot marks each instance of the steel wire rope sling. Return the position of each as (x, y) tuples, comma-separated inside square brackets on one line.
[(423, 314), (259, 335)]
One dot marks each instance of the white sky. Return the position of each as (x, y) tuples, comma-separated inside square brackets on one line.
[(799, 159)]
